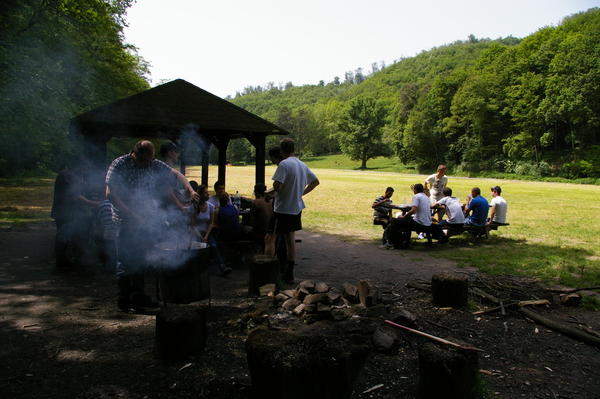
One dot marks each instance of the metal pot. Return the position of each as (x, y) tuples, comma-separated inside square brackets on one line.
[(183, 274)]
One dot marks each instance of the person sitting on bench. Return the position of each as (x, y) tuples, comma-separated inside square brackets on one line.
[(418, 218), (455, 217), (499, 207), (477, 211), (381, 208)]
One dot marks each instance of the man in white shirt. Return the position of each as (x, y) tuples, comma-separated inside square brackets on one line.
[(436, 183), (499, 206), (418, 216), (454, 212), (291, 181)]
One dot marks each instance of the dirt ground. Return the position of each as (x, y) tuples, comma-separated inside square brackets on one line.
[(61, 335)]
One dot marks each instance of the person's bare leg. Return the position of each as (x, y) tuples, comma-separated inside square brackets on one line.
[(290, 240)]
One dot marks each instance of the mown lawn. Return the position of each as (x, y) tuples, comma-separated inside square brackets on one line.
[(553, 233)]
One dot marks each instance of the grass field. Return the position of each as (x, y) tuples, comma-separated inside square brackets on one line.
[(553, 233)]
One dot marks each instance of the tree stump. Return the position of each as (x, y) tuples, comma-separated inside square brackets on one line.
[(450, 291), (287, 365), (449, 374), (180, 332), (264, 269)]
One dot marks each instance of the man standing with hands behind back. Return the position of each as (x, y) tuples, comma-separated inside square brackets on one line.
[(292, 180)]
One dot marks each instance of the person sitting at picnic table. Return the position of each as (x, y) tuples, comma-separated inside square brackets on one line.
[(418, 217), (453, 210), (477, 211), (228, 220), (204, 222), (498, 207), (381, 208), (260, 213)]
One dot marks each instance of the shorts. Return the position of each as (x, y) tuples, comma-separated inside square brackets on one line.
[(281, 223)]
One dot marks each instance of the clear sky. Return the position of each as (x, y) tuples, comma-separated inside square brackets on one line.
[(223, 46)]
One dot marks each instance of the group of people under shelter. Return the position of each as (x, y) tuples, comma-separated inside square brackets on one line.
[(147, 201), (432, 200)]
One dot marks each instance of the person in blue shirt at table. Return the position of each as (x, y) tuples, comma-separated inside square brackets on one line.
[(477, 211)]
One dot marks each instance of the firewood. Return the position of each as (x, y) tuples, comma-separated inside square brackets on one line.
[(350, 292), (570, 299), (321, 288), (566, 330), (418, 286), (484, 294), (450, 290), (363, 290)]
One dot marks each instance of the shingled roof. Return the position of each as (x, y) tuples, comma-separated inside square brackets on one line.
[(165, 109)]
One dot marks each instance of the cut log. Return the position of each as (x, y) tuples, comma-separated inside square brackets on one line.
[(363, 291), (319, 364), (180, 332), (264, 270), (449, 290), (448, 374), (350, 292)]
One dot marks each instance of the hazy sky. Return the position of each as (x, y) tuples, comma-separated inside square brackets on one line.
[(223, 46)]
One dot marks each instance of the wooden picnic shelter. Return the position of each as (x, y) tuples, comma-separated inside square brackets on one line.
[(177, 111)]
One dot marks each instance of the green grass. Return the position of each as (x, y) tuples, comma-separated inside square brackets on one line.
[(553, 234)]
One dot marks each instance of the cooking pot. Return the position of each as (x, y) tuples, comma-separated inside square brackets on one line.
[(183, 274)]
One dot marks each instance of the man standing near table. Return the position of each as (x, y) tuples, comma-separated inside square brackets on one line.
[(291, 181), (478, 209), (436, 184), (134, 183), (499, 206)]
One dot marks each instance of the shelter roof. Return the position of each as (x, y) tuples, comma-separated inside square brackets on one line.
[(167, 109)]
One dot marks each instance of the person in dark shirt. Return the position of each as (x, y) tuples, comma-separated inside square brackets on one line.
[(228, 220), (69, 211), (477, 211)]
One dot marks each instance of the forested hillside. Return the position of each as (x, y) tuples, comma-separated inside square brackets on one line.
[(528, 106), (511, 105), (59, 58)]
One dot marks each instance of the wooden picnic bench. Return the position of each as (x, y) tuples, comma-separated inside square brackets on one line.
[(477, 231)]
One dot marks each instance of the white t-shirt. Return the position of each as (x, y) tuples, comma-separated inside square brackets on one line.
[(214, 200), (294, 176), (436, 186), (453, 210), (501, 208), (423, 214), (203, 218)]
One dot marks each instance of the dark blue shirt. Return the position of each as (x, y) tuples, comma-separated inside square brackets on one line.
[(229, 223), (479, 207)]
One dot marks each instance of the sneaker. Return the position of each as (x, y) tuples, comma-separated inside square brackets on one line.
[(225, 270), (386, 246), (421, 236), (288, 279), (145, 301), (127, 306)]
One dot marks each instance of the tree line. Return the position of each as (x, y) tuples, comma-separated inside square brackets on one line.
[(526, 106), (59, 58), (509, 105)]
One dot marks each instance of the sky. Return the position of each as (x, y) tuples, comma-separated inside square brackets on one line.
[(224, 46)]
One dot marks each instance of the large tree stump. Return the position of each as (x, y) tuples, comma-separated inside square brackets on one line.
[(264, 269), (287, 365), (180, 332), (450, 291), (449, 374)]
